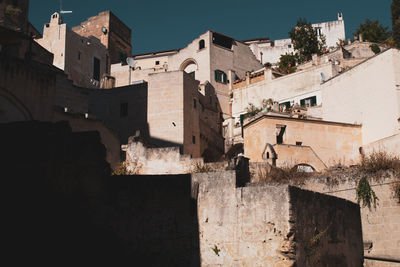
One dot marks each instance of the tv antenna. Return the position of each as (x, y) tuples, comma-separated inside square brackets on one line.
[(63, 11)]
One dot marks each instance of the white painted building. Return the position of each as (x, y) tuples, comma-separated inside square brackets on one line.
[(270, 51)]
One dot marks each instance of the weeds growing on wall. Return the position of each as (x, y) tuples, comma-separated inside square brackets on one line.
[(121, 170), (281, 175), (365, 194), (379, 161), (313, 244), (199, 167)]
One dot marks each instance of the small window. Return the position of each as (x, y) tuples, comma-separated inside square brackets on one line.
[(124, 110), (298, 143), (96, 69), (201, 44), (318, 31), (289, 46), (220, 76), (194, 139), (79, 55), (194, 103), (122, 57), (267, 155), (157, 62), (210, 99), (309, 102), (284, 106)]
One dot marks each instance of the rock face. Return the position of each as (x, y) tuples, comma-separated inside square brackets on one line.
[(63, 207)]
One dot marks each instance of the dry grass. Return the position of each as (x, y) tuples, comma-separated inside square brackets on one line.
[(379, 161), (279, 175), (199, 168), (122, 169)]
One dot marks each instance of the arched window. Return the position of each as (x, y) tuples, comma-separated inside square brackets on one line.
[(202, 44)]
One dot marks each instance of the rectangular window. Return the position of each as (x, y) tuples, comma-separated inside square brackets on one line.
[(96, 69), (280, 131), (309, 102), (194, 103), (122, 57), (298, 143), (285, 106), (194, 139), (79, 55), (157, 62), (220, 76), (124, 110)]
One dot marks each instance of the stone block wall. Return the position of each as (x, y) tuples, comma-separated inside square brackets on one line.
[(380, 226), (166, 160), (261, 225)]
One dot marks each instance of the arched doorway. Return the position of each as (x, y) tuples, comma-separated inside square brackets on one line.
[(189, 66)]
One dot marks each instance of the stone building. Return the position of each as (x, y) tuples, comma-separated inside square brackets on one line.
[(84, 59), (287, 141), (270, 51), (170, 110), (112, 33), (212, 57), (303, 87)]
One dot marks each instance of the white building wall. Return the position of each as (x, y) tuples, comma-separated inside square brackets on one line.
[(333, 31), (293, 87), (368, 94)]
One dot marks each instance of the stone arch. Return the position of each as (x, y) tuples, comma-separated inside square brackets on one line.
[(189, 65), (12, 108)]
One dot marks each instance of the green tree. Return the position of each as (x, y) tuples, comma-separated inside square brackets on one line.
[(395, 9), (287, 63), (306, 41), (373, 31)]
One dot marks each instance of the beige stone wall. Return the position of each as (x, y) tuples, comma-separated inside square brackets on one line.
[(167, 160), (333, 143), (366, 95), (292, 155), (264, 225), (162, 114), (381, 225), (117, 37)]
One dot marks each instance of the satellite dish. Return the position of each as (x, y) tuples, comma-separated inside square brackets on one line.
[(131, 62)]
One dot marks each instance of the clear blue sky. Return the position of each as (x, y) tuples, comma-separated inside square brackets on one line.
[(162, 25)]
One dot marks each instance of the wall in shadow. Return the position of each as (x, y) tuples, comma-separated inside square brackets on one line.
[(63, 208)]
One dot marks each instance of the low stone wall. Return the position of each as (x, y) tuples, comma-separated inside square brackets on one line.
[(381, 226), (167, 160), (264, 225)]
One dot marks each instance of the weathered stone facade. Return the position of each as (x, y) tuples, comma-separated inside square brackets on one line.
[(84, 59), (291, 141), (112, 33)]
